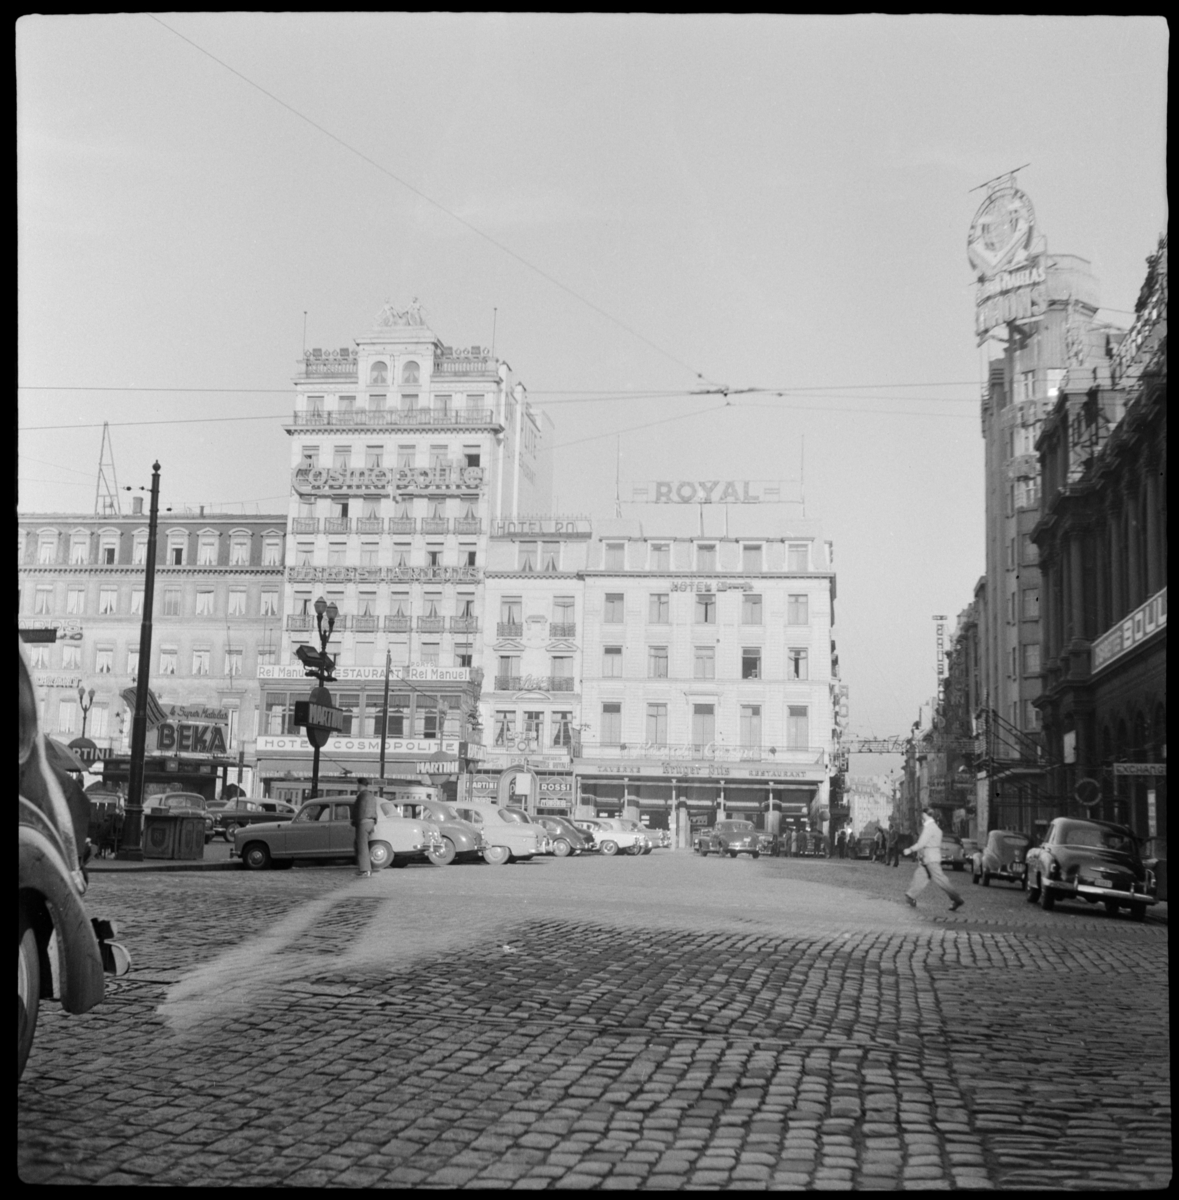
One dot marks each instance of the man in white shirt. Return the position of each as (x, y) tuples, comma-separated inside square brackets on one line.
[(928, 852)]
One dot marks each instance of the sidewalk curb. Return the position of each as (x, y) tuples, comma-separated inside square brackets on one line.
[(159, 867)]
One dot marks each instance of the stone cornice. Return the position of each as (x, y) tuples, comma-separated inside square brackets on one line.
[(125, 571)]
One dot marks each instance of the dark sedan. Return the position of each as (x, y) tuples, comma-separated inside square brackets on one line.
[(1003, 857), (237, 814), (567, 838), (731, 838), (1091, 861)]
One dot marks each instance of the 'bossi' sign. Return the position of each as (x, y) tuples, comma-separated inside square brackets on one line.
[(444, 478)]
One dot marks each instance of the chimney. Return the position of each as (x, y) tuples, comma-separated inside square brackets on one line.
[(137, 506), (202, 510)]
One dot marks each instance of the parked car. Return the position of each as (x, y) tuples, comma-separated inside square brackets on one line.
[(732, 838), (1003, 857), (567, 839), (767, 843), (236, 814), (1091, 861), (648, 842), (953, 854), (461, 840), (322, 829), (508, 837), (612, 835), (182, 802), (62, 953)]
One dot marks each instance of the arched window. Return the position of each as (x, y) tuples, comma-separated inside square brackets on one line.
[(378, 373), (410, 373)]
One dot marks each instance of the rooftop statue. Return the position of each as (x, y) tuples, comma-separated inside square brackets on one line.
[(389, 315)]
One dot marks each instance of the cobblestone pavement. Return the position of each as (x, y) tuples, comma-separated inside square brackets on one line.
[(663, 1022)]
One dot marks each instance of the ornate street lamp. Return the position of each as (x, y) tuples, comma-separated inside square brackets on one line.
[(86, 702)]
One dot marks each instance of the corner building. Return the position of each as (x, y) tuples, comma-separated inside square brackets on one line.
[(403, 451), (708, 686)]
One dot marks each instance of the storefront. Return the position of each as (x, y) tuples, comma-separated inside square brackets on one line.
[(171, 773), (554, 775), (653, 792), (285, 764)]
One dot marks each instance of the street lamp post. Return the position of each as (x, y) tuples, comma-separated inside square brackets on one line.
[(322, 609), (86, 703)]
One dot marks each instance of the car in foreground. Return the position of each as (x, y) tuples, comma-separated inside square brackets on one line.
[(182, 803), (732, 838), (567, 839), (612, 835), (1091, 861), (237, 814), (509, 833), (1003, 857), (322, 830), (62, 952), (953, 855)]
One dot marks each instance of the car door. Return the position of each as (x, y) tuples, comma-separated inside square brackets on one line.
[(308, 835), (341, 832)]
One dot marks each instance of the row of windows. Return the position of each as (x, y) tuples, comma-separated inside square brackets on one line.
[(170, 660), (704, 725), (658, 557), (399, 604), (703, 662), (509, 727), (659, 608), (439, 456), (370, 552), (411, 714), (370, 509), (205, 602), (208, 548)]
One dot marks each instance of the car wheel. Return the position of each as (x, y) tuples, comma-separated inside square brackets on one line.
[(732, 853), (380, 855), (283, 864), (445, 856), (986, 879), (757, 854), (959, 866), (702, 851), (648, 849), (609, 847), (28, 990), (1111, 907), (561, 848), (1047, 899), (496, 856), (256, 856), (1137, 912), (228, 832)]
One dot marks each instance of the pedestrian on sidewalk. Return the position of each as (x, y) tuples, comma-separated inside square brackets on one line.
[(894, 847), (364, 820), (841, 843), (928, 851)]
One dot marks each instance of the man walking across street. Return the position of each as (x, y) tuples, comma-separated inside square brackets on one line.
[(928, 852), (364, 819)]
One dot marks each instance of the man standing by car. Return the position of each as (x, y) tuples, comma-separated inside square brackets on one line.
[(364, 819), (928, 851)]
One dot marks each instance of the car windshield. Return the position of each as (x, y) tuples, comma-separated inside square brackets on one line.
[(1096, 836)]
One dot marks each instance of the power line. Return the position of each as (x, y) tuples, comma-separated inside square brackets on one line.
[(634, 428), (441, 207)]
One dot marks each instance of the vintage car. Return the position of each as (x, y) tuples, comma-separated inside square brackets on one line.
[(62, 952), (1003, 857), (566, 837), (461, 840), (768, 843), (1091, 861), (953, 855), (612, 835), (731, 838), (649, 836), (182, 802), (322, 829), (235, 815), (510, 834)]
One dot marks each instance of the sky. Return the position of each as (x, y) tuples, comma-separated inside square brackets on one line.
[(635, 209)]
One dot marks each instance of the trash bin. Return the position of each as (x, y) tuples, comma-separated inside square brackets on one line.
[(174, 835)]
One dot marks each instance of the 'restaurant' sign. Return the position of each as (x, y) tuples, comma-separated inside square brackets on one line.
[(415, 672)]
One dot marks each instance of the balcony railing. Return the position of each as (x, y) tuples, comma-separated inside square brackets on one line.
[(431, 624), (468, 525), (365, 624), (304, 574), (397, 624), (464, 624), (466, 366), (387, 418), (304, 525), (300, 621), (337, 525), (435, 525), (508, 629), (534, 683), (368, 524), (562, 629), (402, 524)]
